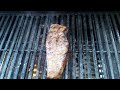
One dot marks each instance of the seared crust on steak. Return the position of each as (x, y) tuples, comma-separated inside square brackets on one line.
[(56, 50)]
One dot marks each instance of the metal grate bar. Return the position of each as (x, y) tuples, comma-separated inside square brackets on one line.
[(80, 59), (53, 19), (93, 47), (4, 53), (21, 55), (1, 22), (113, 42), (42, 46), (16, 39), (28, 53), (117, 31), (68, 52), (62, 20), (86, 43), (42, 59), (3, 40), (7, 60), (35, 51), (4, 26), (70, 48), (115, 27), (11, 34), (2, 30), (12, 46), (66, 68), (45, 61), (9, 54), (73, 47), (57, 19), (100, 46), (107, 47), (44, 70)]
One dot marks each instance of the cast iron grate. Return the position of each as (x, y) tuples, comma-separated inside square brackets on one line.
[(94, 51)]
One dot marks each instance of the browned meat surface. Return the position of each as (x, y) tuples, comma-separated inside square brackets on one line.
[(56, 50)]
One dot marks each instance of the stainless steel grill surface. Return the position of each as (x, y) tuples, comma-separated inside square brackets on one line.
[(94, 51)]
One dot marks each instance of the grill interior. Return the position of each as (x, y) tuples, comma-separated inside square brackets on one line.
[(94, 51)]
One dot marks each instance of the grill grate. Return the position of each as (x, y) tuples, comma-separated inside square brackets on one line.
[(94, 51)]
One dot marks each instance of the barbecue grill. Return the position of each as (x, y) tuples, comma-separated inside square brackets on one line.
[(94, 51)]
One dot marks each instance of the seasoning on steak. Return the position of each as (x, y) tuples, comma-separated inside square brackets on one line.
[(56, 50)]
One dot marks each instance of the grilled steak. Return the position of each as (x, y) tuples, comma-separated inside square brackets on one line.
[(56, 50)]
